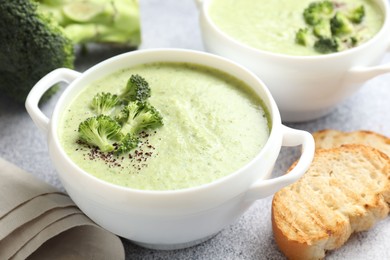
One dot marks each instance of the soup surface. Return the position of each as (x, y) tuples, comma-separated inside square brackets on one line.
[(272, 25), (213, 125)]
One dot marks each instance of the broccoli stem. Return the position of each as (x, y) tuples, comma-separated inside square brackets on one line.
[(96, 21)]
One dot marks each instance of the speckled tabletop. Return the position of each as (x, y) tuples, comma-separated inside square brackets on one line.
[(174, 24)]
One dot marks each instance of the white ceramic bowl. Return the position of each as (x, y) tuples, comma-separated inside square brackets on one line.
[(167, 219), (304, 87)]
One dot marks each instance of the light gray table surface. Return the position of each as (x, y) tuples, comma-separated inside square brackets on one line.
[(174, 24)]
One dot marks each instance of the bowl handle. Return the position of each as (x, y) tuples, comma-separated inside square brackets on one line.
[(291, 137), (36, 93), (362, 74)]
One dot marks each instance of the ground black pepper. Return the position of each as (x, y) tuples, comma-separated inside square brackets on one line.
[(138, 157)]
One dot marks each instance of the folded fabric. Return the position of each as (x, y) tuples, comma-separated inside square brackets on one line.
[(74, 221), (10, 245), (37, 221), (31, 210), (70, 245), (17, 187)]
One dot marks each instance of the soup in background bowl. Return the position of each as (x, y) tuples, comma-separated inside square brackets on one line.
[(273, 25), (177, 216), (305, 85)]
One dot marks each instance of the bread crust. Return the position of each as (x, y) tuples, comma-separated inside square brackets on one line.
[(345, 190), (330, 138)]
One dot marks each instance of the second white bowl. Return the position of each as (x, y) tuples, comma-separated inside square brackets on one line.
[(304, 87)]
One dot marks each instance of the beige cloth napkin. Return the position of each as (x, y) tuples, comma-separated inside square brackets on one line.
[(12, 177), (31, 210), (39, 222)]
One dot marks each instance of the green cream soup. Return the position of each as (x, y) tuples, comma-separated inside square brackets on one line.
[(272, 25), (213, 125)]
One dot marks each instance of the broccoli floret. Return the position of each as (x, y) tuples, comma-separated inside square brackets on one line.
[(322, 29), (148, 118), (103, 103), (137, 89), (347, 42), (318, 11), (129, 111), (139, 116), (303, 37), (128, 143), (326, 45), (331, 26), (101, 131), (354, 40), (120, 134), (357, 14), (340, 24), (38, 36)]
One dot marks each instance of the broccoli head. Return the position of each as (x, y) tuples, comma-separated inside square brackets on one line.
[(318, 11), (340, 24), (38, 36), (148, 118), (104, 103), (31, 45), (347, 42), (322, 29), (354, 41), (137, 89), (139, 116), (101, 131), (303, 37), (326, 45), (129, 112), (128, 143), (357, 14)]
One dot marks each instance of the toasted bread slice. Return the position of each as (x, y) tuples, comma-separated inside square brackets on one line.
[(345, 190), (330, 138)]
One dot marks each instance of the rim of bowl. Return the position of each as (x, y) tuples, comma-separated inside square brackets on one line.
[(384, 6), (273, 110)]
